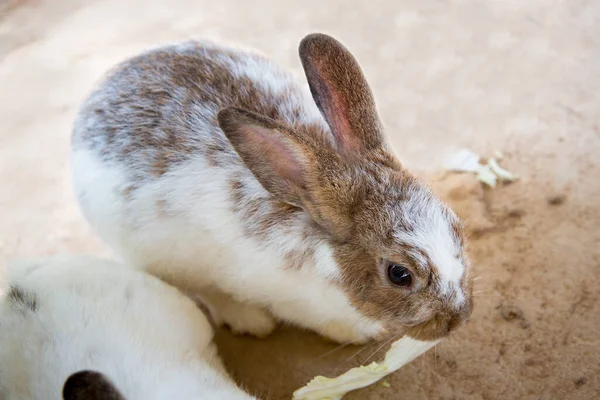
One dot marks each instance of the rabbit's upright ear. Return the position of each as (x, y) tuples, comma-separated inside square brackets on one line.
[(342, 93), (89, 385)]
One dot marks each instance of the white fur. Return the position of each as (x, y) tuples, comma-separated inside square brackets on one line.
[(201, 244), (151, 341), (432, 234)]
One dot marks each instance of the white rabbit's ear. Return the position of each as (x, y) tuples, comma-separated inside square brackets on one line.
[(342, 93), (270, 151), (89, 385)]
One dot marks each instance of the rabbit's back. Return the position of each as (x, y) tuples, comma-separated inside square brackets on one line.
[(159, 109)]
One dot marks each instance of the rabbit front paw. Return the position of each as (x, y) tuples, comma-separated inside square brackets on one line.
[(249, 319), (242, 318)]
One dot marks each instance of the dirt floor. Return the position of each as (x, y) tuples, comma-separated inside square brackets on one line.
[(515, 76)]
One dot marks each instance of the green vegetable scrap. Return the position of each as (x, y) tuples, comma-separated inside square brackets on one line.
[(467, 161), (401, 353)]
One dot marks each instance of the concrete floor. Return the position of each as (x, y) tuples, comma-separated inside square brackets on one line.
[(520, 77)]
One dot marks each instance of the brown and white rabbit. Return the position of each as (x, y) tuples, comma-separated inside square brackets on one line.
[(211, 167), (96, 330)]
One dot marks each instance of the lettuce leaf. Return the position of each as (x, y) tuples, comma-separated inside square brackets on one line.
[(401, 353)]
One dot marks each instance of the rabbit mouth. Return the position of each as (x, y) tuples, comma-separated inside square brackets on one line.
[(436, 328)]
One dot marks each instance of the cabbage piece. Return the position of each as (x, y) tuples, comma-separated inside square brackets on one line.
[(487, 176), (501, 172), (401, 353), (466, 160), (463, 160)]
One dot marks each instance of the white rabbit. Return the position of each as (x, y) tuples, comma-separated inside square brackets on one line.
[(213, 169), (100, 330)]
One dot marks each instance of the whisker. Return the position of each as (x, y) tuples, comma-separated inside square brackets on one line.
[(391, 339), (365, 347), (330, 352), (419, 332)]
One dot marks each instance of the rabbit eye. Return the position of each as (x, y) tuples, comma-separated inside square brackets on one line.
[(399, 275)]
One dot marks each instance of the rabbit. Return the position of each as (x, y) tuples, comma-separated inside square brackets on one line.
[(94, 329), (213, 168)]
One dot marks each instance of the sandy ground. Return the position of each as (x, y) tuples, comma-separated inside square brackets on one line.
[(520, 77)]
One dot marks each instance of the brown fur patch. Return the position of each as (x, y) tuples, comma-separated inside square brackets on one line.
[(458, 230), (261, 216), (127, 192), (296, 259), (159, 167)]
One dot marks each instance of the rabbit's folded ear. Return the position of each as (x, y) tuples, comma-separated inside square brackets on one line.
[(342, 93), (89, 385), (269, 150)]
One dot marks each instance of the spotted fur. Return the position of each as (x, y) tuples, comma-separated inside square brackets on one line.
[(212, 167)]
